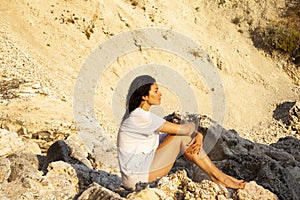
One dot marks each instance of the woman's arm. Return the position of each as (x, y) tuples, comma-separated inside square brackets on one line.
[(183, 129)]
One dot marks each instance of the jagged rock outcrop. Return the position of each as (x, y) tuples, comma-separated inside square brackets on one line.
[(10, 143), (179, 186), (23, 180), (68, 151), (97, 192), (275, 167), (260, 193), (67, 172), (63, 174), (294, 117)]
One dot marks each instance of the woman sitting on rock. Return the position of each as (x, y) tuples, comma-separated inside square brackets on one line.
[(148, 145)]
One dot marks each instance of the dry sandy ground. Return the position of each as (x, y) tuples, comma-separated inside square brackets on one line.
[(45, 43)]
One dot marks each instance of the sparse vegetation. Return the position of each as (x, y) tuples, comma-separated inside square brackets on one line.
[(7, 88), (282, 36), (278, 38)]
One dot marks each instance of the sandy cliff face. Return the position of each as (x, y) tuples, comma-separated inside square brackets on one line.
[(45, 43)]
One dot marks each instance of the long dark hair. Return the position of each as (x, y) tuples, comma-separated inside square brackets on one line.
[(139, 87)]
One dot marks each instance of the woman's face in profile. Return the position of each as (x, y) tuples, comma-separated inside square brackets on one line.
[(154, 96)]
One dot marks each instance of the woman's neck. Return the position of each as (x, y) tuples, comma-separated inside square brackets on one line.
[(145, 106)]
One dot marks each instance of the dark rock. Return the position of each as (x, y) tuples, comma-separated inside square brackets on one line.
[(275, 167), (65, 150), (282, 112), (290, 145), (59, 150)]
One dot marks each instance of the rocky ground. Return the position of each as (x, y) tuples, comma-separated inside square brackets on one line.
[(68, 171)]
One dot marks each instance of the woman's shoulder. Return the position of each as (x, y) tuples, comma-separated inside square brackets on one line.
[(139, 112), (140, 115)]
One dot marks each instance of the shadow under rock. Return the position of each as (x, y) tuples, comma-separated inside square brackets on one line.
[(61, 151), (281, 112)]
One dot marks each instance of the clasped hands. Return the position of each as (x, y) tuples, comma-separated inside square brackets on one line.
[(196, 144)]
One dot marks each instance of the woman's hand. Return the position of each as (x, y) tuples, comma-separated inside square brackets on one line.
[(196, 144)]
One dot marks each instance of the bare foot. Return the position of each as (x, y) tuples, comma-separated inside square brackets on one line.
[(230, 182)]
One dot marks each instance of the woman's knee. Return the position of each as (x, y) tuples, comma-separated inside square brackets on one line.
[(174, 144), (184, 142)]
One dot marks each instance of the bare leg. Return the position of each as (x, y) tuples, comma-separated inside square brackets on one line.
[(168, 151), (166, 155), (217, 176)]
